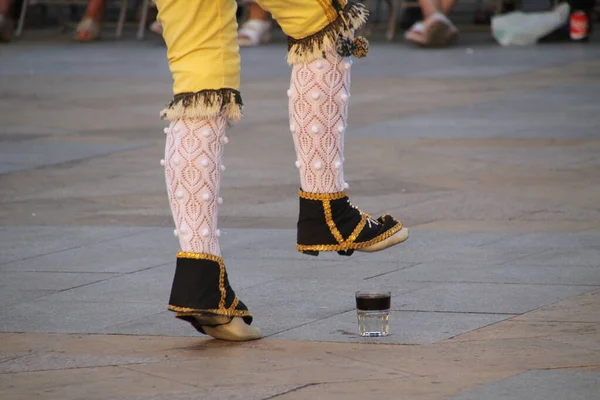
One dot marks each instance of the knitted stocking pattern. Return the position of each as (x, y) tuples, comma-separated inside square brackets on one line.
[(318, 108), (193, 165)]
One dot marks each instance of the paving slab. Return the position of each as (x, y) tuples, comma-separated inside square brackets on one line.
[(406, 327), (232, 393), (103, 257), (49, 281), (565, 257), (10, 296), (88, 383), (513, 116), (39, 315), (290, 294), (27, 362), (571, 240), (160, 324), (453, 248), (579, 309), (522, 273), (306, 370), (540, 385), (485, 297), (18, 156), (287, 303), (18, 243)]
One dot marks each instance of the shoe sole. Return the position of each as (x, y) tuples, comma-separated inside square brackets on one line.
[(393, 240), (234, 331)]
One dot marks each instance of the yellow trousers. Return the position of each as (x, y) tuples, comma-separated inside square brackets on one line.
[(203, 54)]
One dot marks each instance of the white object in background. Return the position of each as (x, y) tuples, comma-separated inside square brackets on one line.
[(523, 29)]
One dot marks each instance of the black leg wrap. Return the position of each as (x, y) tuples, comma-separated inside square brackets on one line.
[(329, 222), (201, 294)]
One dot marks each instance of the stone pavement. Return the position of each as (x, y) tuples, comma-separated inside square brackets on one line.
[(490, 155)]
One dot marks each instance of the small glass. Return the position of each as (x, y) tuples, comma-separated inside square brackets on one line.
[(373, 312)]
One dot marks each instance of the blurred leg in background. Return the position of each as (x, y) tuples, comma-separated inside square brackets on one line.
[(6, 21), (436, 30), (256, 30), (90, 26)]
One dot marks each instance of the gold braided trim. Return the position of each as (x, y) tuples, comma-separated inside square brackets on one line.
[(335, 231), (199, 256), (231, 311), (222, 290), (331, 223), (351, 245), (190, 312), (234, 303), (209, 103), (321, 196), (222, 285), (358, 229), (315, 46)]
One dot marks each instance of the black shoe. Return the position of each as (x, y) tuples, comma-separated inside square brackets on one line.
[(329, 222), (201, 294)]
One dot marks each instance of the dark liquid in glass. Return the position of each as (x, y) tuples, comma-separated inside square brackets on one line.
[(373, 302)]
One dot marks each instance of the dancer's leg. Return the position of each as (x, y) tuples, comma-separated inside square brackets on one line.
[(203, 58), (320, 45), (6, 23), (90, 25), (430, 7), (5, 6)]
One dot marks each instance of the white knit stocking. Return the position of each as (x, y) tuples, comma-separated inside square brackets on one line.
[(318, 108), (193, 155)]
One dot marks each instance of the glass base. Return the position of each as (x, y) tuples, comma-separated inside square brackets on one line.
[(373, 323)]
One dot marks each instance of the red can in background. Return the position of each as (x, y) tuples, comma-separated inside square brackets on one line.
[(579, 25)]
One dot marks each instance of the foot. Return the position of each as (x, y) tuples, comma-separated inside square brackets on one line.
[(329, 222), (156, 27), (416, 34), (439, 30), (87, 30), (236, 330), (202, 296), (254, 32)]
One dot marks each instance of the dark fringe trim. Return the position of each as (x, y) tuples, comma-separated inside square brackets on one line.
[(317, 45), (207, 103)]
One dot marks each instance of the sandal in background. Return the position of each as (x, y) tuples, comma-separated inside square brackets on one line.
[(254, 32), (87, 30)]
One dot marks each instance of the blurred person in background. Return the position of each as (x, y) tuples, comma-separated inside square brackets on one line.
[(256, 30), (435, 30), (90, 26), (7, 25)]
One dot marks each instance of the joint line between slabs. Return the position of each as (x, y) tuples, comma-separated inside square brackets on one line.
[(78, 247), (310, 322), (461, 312), (293, 390)]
